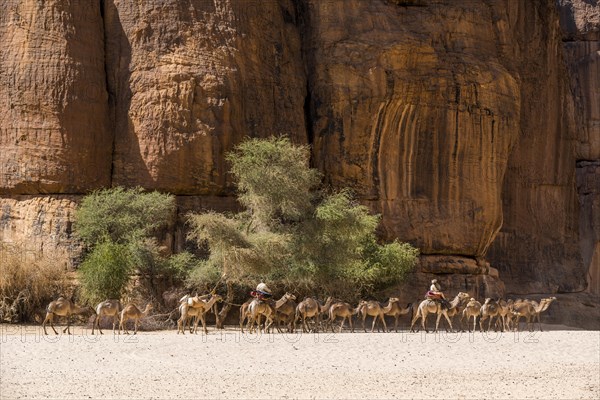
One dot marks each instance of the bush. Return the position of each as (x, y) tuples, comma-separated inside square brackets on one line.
[(105, 272), (28, 282), (118, 226), (122, 215), (292, 234)]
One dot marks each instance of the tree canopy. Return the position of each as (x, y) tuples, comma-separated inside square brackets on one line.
[(292, 232)]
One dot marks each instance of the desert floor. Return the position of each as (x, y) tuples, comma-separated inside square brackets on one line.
[(560, 364)]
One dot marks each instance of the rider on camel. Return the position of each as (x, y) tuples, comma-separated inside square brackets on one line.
[(262, 292), (435, 293)]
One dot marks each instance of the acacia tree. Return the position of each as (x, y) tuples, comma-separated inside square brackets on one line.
[(293, 233), (117, 226)]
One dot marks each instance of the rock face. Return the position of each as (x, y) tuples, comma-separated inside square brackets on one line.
[(189, 79), (581, 22), (420, 127), (54, 133), (34, 225), (472, 127)]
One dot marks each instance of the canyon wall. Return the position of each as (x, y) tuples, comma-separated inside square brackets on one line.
[(471, 126)]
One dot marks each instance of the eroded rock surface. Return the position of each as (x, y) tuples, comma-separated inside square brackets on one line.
[(54, 134)]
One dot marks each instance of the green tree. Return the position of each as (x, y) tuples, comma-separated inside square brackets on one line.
[(117, 225), (293, 233), (105, 271), (122, 215), (273, 180)]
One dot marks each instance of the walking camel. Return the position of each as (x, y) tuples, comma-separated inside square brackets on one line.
[(396, 310), (285, 309), (108, 308), (375, 310), (429, 306), (344, 310), (489, 309), (256, 310), (472, 309), (62, 307), (308, 308), (530, 310), (131, 311), (198, 307)]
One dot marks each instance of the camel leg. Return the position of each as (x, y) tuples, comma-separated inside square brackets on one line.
[(135, 326), (115, 321), (364, 318), (437, 321), (373, 325), (414, 320), (341, 325), (351, 324), (268, 323), (396, 323), (68, 325), (94, 323), (424, 321), (204, 324), (385, 329), (449, 321), (180, 327), (196, 323), (481, 319), (474, 323), (539, 321), (49, 318)]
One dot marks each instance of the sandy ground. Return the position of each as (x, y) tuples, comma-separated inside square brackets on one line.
[(560, 364)]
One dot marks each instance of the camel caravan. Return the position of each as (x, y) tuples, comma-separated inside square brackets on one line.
[(262, 313)]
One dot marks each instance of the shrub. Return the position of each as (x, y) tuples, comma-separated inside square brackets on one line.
[(28, 282), (105, 272)]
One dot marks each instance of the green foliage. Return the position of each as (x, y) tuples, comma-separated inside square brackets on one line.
[(122, 215), (105, 271), (180, 265), (273, 179), (289, 236), (117, 225)]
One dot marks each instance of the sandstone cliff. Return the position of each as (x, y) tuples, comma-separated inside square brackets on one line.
[(471, 126)]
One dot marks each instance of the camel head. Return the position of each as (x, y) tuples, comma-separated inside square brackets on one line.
[(289, 296), (462, 296), (487, 300), (184, 299), (149, 307), (218, 298)]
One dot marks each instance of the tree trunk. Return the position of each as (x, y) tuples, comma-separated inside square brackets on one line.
[(225, 310)]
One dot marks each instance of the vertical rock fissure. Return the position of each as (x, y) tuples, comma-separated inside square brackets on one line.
[(111, 95)]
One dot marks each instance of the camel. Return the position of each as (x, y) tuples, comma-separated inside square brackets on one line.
[(197, 307), (285, 308), (244, 312), (131, 311), (429, 306), (472, 309), (344, 310), (108, 308), (489, 309), (308, 308), (397, 311), (256, 310), (324, 308), (185, 307), (454, 311), (62, 307), (530, 310), (373, 309), (504, 313)]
